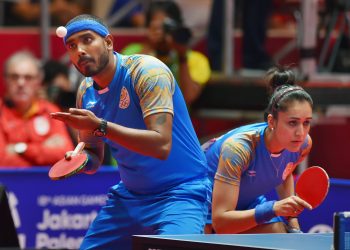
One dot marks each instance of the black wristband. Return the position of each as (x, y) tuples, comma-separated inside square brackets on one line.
[(102, 129)]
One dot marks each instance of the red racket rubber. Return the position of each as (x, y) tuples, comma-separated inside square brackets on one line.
[(313, 185), (67, 167)]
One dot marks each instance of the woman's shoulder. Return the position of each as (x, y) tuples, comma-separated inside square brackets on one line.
[(251, 131), (246, 139)]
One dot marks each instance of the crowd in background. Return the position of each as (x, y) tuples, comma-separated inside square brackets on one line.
[(172, 29)]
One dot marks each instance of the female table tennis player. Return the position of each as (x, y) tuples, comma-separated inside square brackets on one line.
[(250, 161)]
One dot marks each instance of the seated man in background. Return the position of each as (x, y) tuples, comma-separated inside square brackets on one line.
[(168, 40), (28, 137)]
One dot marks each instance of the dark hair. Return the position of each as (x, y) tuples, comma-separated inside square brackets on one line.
[(171, 9), (278, 76), (52, 69), (282, 83), (87, 17)]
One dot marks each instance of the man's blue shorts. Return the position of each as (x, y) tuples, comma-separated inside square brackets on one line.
[(180, 210)]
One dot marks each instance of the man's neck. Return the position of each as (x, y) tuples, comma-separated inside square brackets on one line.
[(106, 75)]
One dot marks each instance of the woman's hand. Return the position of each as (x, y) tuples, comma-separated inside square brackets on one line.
[(291, 206), (293, 225)]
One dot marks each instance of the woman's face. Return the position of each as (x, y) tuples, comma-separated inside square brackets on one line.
[(293, 125), (155, 28), (157, 37)]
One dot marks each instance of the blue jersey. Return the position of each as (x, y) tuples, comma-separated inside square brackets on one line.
[(240, 157), (142, 86)]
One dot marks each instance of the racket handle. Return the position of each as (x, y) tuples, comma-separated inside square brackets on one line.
[(78, 148)]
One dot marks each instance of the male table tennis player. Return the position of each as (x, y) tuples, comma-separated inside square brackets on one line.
[(134, 104)]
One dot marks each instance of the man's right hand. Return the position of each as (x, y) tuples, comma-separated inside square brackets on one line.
[(80, 119)]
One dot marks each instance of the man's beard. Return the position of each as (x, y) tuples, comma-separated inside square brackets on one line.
[(91, 71)]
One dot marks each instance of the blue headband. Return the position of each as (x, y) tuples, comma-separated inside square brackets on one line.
[(85, 24)]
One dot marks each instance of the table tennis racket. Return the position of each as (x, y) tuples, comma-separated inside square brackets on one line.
[(312, 185), (68, 167)]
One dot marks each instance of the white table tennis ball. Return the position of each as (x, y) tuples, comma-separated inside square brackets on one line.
[(61, 31)]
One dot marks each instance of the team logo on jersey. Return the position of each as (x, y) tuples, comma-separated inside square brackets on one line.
[(288, 170), (41, 125), (124, 99), (90, 105)]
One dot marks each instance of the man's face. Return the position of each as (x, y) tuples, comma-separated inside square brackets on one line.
[(88, 51), (23, 81)]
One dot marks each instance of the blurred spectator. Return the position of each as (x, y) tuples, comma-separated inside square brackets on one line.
[(59, 89), (169, 40), (133, 12), (27, 12), (255, 14), (28, 136)]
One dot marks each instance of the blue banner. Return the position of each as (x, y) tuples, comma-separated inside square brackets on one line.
[(320, 219), (55, 214)]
